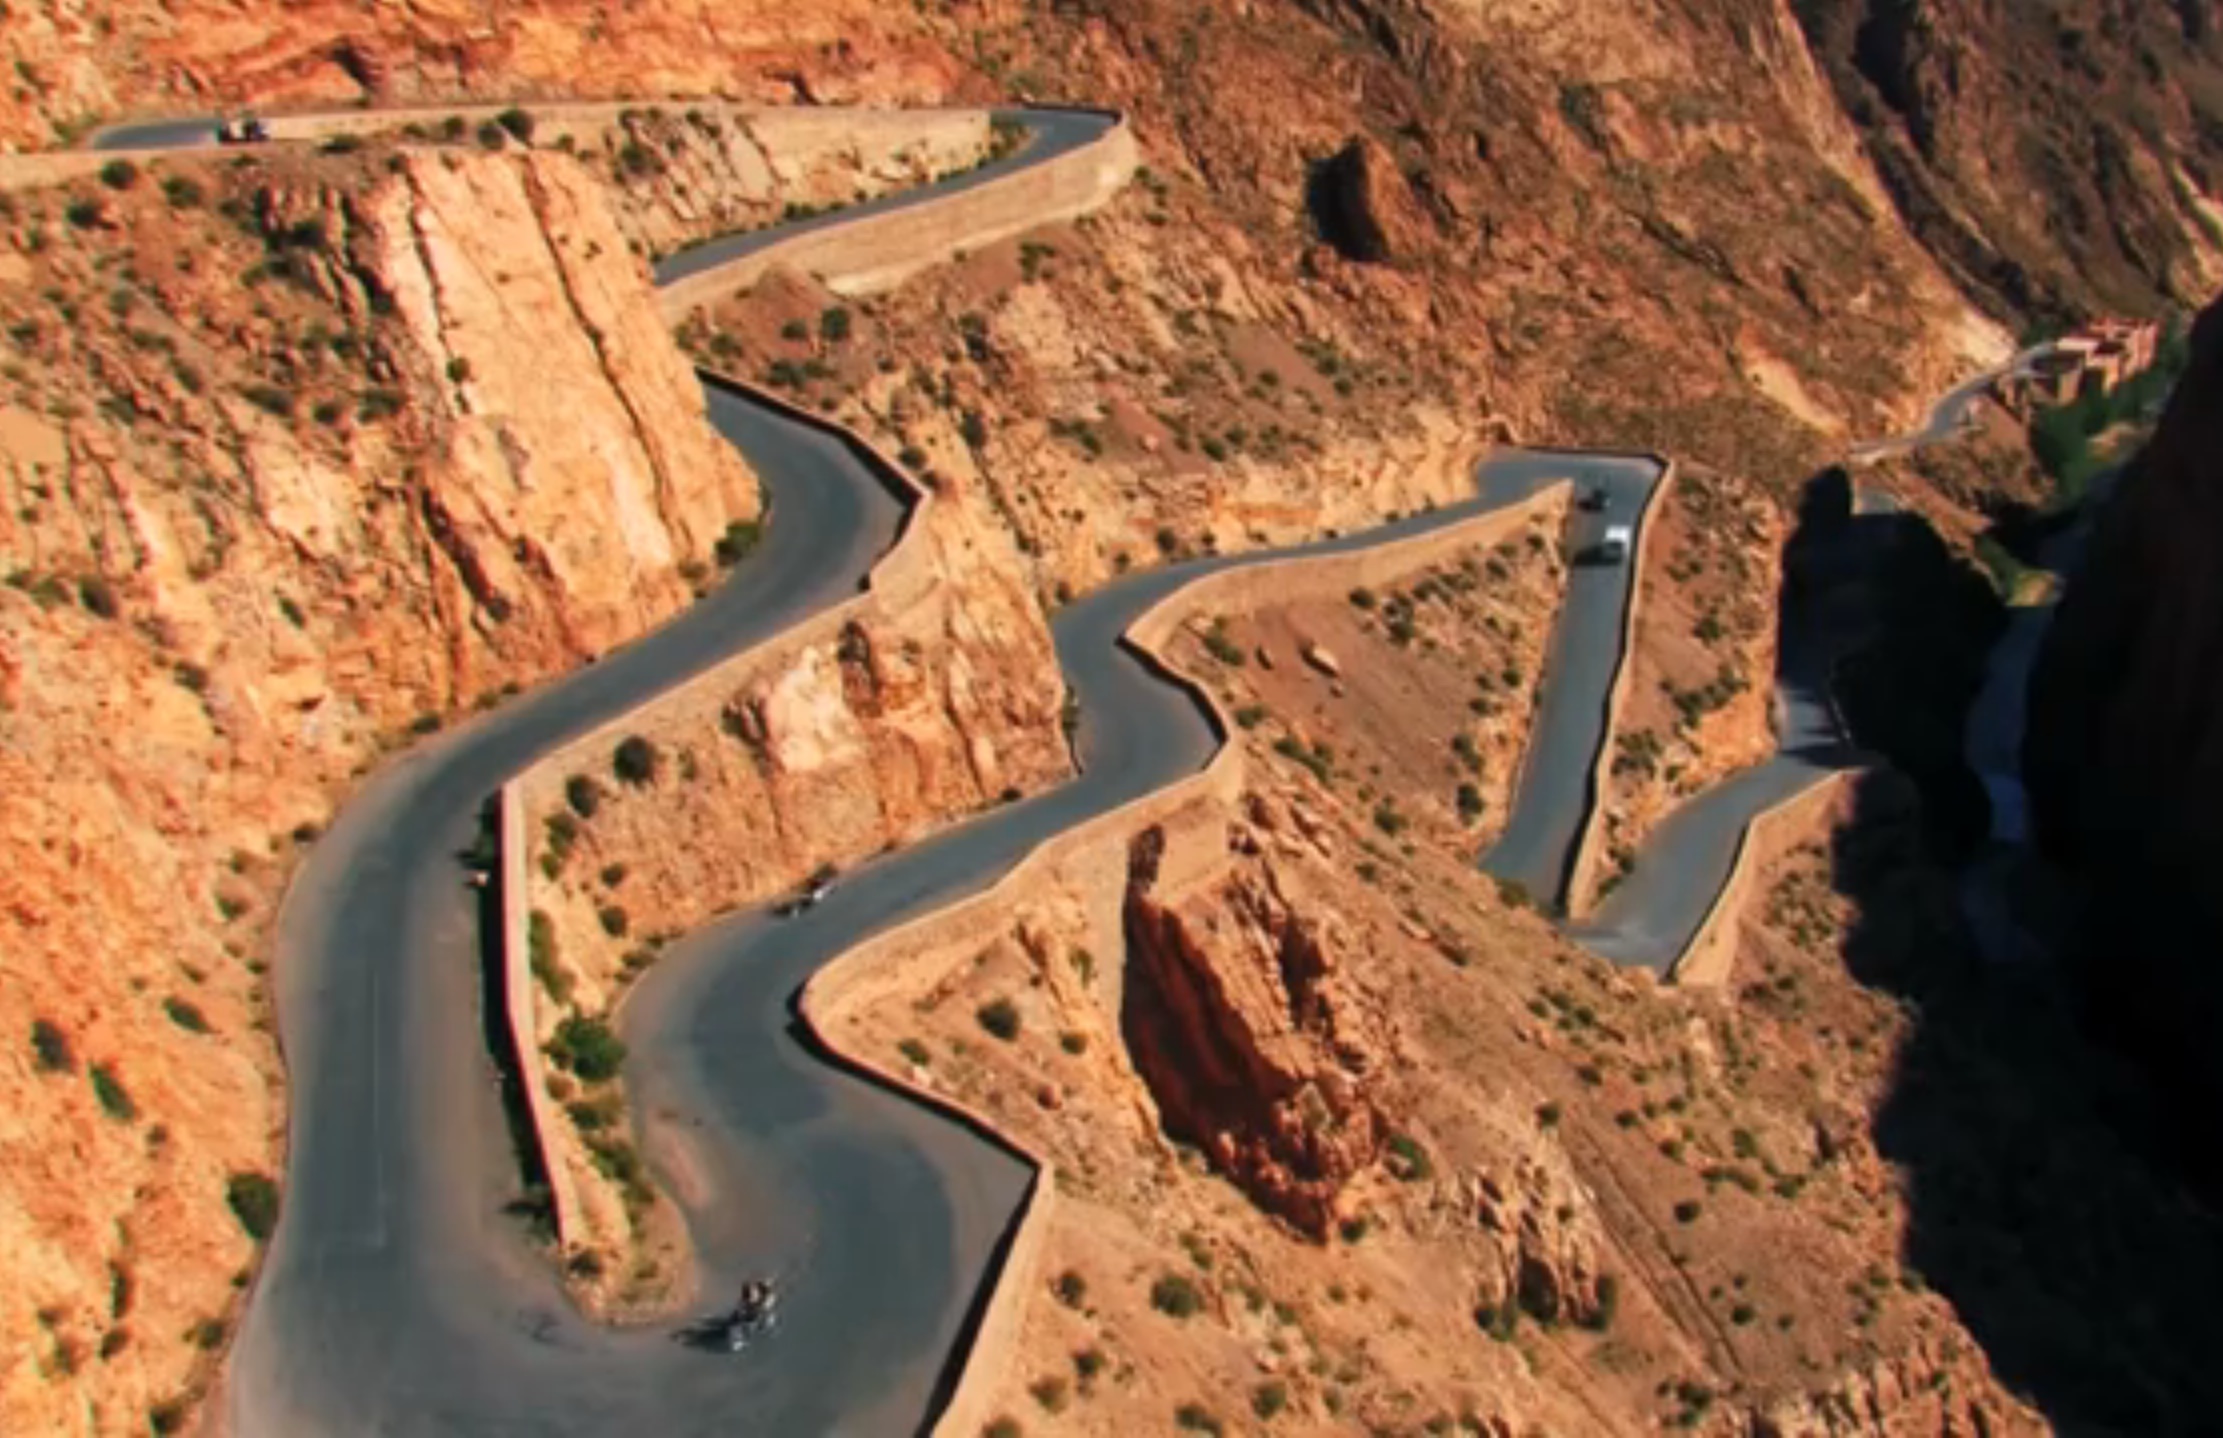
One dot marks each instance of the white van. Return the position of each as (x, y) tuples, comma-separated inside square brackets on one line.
[(1615, 546)]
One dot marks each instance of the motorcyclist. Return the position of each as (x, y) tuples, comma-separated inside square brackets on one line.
[(756, 1300)]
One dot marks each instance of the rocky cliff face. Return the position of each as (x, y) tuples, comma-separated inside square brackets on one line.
[(297, 456), (74, 63), (2125, 741), (1233, 1019), (2057, 158)]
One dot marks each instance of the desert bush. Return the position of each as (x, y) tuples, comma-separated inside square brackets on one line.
[(518, 122), (1176, 1297), (1070, 1287), (254, 1201), (119, 174), (740, 538), (588, 1048), (1196, 1418), (114, 1100), (1408, 1160), (1000, 1016), (834, 324), (613, 919), (1269, 1398), (635, 761), (185, 1015), (50, 1046), (183, 192), (1687, 1210)]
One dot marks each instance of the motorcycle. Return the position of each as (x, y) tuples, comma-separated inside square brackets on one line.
[(755, 1315)]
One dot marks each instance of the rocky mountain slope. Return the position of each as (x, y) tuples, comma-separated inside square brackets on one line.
[(300, 456), (2055, 157)]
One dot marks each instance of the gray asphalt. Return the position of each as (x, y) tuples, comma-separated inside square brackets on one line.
[(1536, 849)]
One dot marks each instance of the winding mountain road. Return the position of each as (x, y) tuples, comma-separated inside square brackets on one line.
[(397, 1297)]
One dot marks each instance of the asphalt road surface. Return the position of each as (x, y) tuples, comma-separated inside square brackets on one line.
[(1536, 849)]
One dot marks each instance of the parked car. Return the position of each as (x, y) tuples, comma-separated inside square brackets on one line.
[(1614, 547), (1594, 500)]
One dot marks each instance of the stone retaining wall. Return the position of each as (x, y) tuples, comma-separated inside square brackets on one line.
[(518, 989), (1582, 874), (875, 252), (1712, 952)]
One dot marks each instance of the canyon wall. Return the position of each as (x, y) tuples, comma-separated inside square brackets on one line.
[(72, 64), (2124, 754), (298, 455)]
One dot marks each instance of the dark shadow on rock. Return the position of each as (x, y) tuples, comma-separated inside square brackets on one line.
[(2043, 1197)]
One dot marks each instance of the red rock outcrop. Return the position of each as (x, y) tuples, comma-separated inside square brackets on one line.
[(1233, 1017)]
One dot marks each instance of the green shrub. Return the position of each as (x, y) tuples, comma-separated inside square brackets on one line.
[(1196, 1418), (583, 795), (1470, 803), (1000, 1017), (635, 761), (1687, 1210), (1363, 598), (1250, 716), (50, 1046), (183, 192), (84, 214), (613, 919), (109, 1089), (795, 330), (1089, 1362), (1408, 1160), (254, 1200), (740, 538), (1269, 1398), (1050, 1391), (119, 174), (492, 136), (185, 1015), (833, 324), (1005, 1426), (517, 122), (459, 369), (1548, 1115), (1222, 648), (588, 1048), (1176, 1297), (916, 1051)]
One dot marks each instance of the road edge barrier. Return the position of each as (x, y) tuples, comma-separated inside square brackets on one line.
[(1708, 958), (878, 251)]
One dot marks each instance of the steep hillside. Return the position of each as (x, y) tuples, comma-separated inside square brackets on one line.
[(2125, 748), (2058, 158), (299, 456)]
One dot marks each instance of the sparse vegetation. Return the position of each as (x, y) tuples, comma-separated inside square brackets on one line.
[(109, 1090), (588, 1048), (50, 1047), (185, 1015), (635, 761), (1176, 1296), (254, 1202), (1000, 1017)]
